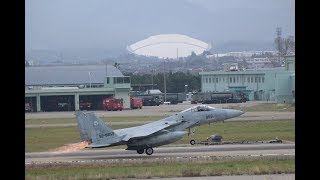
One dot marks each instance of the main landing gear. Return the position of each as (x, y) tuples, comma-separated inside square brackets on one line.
[(140, 151), (149, 151)]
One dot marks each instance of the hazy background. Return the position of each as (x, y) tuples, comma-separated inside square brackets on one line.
[(95, 29)]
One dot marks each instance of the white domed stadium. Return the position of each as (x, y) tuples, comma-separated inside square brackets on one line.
[(170, 46)]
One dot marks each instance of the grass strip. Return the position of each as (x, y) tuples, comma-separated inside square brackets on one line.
[(163, 170)]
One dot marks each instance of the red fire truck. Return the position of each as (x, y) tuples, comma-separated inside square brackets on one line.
[(112, 104), (135, 102)]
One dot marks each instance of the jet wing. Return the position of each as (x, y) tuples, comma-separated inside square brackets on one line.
[(144, 130)]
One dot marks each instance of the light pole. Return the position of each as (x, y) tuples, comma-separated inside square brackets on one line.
[(186, 87), (164, 79), (152, 77), (90, 78)]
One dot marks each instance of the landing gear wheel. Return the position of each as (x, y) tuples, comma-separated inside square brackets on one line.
[(140, 151), (192, 142), (149, 151)]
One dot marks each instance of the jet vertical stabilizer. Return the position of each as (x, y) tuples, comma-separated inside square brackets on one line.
[(83, 125), (94, 129)]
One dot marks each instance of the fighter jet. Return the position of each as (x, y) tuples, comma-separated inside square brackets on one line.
[(145, 137)]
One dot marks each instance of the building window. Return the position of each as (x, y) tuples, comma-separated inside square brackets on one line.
[(217, 80), (255, 79), (209, 79), (206, 80), (262, 79), (108, 81), (248, 80), (234, 80), (251, 79), (237, 79), (259, 79), (230, 80), (223, 79), (121, 80)]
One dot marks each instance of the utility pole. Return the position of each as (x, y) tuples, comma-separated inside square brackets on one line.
[(177, 54), (164, 79), (89, 78), (106, 69), (152, 77)]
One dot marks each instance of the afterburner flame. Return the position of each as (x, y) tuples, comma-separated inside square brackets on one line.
[(72, 147)]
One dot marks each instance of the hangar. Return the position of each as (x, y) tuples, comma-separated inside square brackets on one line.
[(65, 87), (272, 84), (171, 46)]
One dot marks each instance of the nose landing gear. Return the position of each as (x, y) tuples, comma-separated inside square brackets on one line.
[(192, 141)]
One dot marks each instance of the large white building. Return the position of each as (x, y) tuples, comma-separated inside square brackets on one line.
[(170, 46)]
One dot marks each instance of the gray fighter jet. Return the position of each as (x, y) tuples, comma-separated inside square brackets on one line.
[(143, 138)]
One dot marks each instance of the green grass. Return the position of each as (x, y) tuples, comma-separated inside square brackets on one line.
[(105, 119), (44, 139), (247, 130), (266, 107), (162, 170)]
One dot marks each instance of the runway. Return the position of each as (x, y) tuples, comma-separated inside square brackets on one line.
[(164, 154)]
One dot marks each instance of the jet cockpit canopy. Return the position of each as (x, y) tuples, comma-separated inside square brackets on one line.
[(199, 108)]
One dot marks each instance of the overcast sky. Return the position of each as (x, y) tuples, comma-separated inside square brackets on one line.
[(56, 24)]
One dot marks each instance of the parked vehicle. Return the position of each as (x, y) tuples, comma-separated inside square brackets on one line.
[(27, 107), (85, 105), (135, 102), (112, 104), (151, 100), (175, 98), (218, 97)]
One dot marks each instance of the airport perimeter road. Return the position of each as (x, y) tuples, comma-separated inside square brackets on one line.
[(167, 110), (194, 153)]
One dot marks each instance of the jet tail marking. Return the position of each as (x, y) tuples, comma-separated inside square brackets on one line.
[(94, 129)]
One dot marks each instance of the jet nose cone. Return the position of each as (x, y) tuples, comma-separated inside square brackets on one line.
[(234, 113)]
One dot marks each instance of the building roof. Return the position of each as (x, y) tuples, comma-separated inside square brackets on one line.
[(169, 46), (54, 75)]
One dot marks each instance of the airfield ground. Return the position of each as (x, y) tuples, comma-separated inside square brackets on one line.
[(262, 121)]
